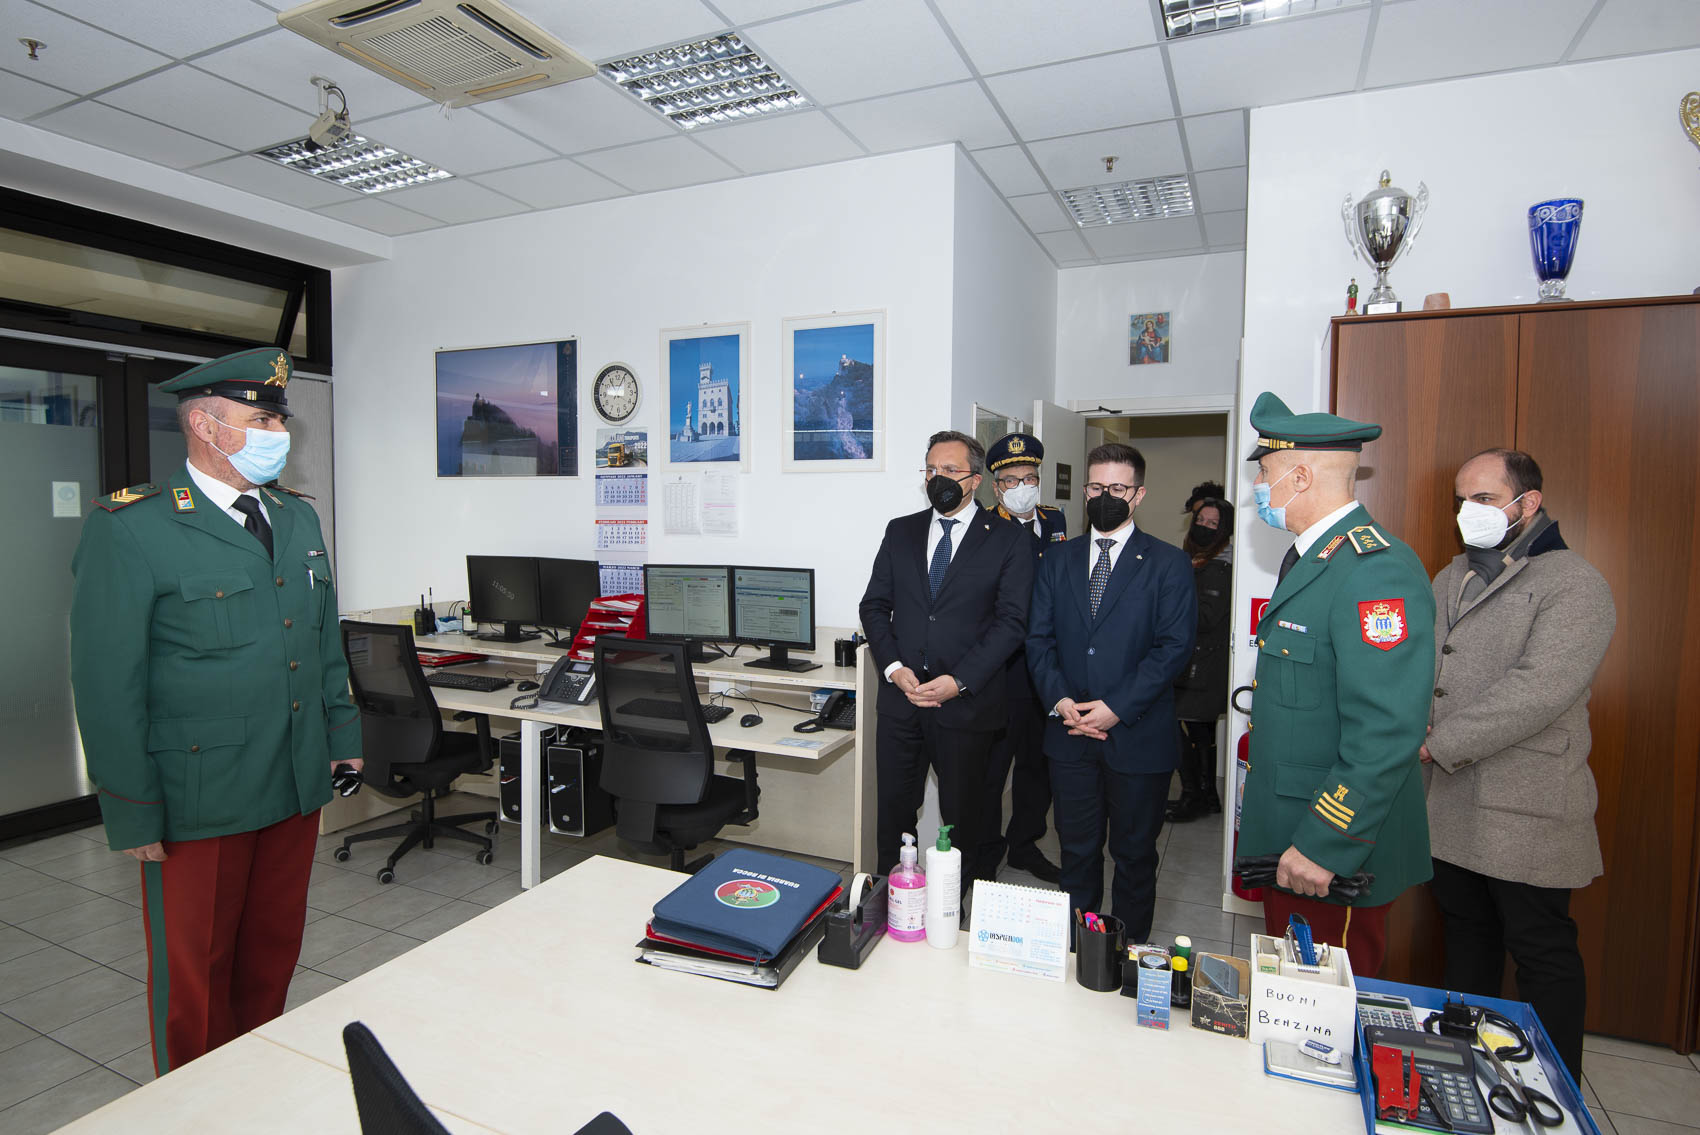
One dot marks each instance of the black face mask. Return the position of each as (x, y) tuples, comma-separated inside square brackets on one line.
[(944, 492), (1203, 537), (1107, 513)]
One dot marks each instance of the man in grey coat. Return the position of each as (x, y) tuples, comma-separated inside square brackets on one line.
[(1522, 624)]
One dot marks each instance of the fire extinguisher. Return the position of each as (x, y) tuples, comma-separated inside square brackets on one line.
[(1242, 755)]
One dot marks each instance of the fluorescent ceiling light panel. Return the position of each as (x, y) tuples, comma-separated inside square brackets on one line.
[(358, 163), (1194, 17), (705, 82), (1147, 199)]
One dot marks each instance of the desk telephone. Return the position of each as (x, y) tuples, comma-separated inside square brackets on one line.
[(839, 712), (569, 682)]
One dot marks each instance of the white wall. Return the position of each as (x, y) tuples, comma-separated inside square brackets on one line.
[(1203, 295), (874, 233)]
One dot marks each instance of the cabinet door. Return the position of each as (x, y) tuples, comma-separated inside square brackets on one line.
[(1609, 404)]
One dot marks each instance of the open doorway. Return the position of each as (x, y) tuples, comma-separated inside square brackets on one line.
[(1180, 450)]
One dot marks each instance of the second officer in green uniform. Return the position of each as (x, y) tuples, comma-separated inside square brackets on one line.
[(1345, 666)]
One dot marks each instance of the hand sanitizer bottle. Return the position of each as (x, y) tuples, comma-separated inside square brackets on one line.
[(906, 911), (944, 897)]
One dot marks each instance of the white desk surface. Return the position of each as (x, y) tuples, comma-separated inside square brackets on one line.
[(534, 1017)]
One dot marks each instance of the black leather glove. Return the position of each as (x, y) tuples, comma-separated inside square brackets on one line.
[(1259, 871), (346, 779)]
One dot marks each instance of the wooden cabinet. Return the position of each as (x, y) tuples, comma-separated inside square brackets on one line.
[(1606, 396)]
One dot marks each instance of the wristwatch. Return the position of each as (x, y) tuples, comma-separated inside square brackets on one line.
[(961, 690)]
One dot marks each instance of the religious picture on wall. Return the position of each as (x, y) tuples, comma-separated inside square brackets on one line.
[(834, 390), (508, 411), (706, 416), (1149, 338)]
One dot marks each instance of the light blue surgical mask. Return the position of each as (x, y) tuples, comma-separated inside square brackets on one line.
[(262, 455), (1274, 517)]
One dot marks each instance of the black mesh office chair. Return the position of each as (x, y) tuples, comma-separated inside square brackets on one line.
[(405, 748), (657, 758), (388, 1105)]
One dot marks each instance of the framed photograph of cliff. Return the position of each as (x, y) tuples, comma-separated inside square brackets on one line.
[(508, 411), (834, 393), (704, 369)]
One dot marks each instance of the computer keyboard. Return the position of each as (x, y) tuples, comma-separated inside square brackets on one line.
[(672, 711), (484, 683)]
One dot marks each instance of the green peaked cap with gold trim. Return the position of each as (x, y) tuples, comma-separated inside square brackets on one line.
[(1278, 428), (255, 377)]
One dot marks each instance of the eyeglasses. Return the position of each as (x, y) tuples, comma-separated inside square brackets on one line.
[(950, 471), (1011, 482), (1095, 489)]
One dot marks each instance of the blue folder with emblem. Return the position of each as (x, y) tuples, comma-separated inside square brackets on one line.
[(746, 903)]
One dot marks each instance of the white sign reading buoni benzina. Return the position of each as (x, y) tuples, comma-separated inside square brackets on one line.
[(1302, 1002)]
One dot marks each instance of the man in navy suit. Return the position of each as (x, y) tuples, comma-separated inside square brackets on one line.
[(945, 607), (1112, 624)]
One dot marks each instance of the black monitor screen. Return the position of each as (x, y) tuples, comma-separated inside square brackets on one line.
[(567, 589), (687, 602), (503, 589), (774, 606)]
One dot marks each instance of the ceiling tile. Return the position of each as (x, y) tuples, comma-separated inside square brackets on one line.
[(211, 107), (115, 130), (586, 114), (1627, 26), (1010, 170), (960, 112), (1270, 63), (268, 179), (21, 97), (1436, 39), (280, 63), (455, 201), (664, 164), (461, 141), (599, 30), (857, 51), (1088, 94), (379, 216), (1049, 32), (1221, 189), (1175, 234), (1140, 151), (1216, 140), (1225, 228), (1065, 245), (551, 185), (178, 29), (749, 11), (1041, 213), (75, 57), (786, 141)]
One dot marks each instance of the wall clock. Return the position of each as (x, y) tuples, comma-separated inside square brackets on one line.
[(615, 393)]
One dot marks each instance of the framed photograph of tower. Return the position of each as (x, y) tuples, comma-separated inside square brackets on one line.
[(705, 368), (509, 411), (834, 389)]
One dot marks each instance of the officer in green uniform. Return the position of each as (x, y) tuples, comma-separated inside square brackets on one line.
[(1345, 666), (212, 696)]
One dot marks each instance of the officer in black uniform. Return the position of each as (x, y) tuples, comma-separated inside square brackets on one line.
[(1013, 462)]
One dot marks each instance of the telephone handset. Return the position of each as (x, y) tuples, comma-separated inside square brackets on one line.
[(839, 712), (569, 681)]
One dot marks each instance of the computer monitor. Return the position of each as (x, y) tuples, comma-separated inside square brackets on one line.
[(775, 608), (503, 589), (691, 604), (566, 588)]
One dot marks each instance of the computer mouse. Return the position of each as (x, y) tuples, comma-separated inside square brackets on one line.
[(750, 719), (525, 687)]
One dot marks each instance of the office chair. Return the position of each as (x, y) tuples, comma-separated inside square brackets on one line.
[(657, 758), (387, 1103), (406, 750)]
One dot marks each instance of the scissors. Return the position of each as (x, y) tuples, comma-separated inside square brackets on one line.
[(1514, 1100)]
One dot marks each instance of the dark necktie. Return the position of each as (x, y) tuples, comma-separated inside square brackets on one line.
[(256, 522), (1100, 573), (941, 558), (1287, 562)]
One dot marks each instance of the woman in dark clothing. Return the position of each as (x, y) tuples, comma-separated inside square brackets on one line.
[(1201, 692)]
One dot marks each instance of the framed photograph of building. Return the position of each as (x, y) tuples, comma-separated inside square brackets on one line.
[(834, 390), (508, 411), (705, 369)]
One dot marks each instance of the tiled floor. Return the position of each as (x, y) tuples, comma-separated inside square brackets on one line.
[(73, 1010)]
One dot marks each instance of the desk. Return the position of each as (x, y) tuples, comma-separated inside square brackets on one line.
[(564, 1024)]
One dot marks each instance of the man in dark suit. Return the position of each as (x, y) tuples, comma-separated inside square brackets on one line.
[(945, 607), (1112, 624)]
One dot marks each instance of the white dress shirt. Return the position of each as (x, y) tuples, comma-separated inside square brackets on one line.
[(935, 533), (1314, 533), (1120, 536), (224, 496)]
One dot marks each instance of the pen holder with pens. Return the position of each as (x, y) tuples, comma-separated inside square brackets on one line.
[(1098, 954), (852, 931)]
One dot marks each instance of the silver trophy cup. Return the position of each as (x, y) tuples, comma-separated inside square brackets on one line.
[(1381, 227)]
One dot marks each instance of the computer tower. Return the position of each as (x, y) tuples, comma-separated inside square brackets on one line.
[(507, 753), (578, 806)]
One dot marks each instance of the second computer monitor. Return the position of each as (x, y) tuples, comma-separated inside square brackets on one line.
[(566, 589), (688, 603), (503, 589), (775, 607)]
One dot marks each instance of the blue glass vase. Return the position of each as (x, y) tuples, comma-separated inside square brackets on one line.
[(1554, 227)]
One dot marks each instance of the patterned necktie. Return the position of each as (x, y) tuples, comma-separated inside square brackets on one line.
[(941, 558), (256, 522), (1100, 573), (1287, 562)]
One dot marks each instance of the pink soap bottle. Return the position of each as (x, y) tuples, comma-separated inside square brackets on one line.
[(906, 912)]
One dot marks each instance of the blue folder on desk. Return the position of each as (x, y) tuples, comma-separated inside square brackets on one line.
[(745, 902)]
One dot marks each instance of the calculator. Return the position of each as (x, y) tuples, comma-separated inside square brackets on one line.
[(1387, 1010), (1448, 1070)]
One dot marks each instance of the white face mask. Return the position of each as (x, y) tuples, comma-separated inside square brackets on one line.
[(1021, 499), (1483, 525)]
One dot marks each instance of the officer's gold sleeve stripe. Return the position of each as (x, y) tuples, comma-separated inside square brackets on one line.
[(1341, 824), (1348, 813), (1328, 808)]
